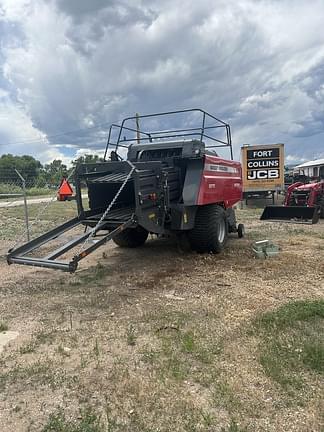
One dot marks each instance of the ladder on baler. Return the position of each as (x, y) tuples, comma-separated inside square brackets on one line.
[(118, 220), (19, 255)]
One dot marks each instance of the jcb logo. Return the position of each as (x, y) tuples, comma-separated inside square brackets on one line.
[(263, 174)]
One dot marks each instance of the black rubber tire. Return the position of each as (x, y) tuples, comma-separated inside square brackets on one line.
[(322, 208), (240, 230), (131, 237), (210, 231)]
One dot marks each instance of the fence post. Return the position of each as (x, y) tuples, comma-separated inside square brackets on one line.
[(25, 203)]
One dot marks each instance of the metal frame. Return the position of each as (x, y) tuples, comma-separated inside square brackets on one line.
[(142, 136), (19, 255)]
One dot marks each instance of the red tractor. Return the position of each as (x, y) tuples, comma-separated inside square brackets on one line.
[(165, 182), (304, 202)]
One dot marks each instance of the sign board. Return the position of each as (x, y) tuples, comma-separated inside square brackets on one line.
[(263, 167)]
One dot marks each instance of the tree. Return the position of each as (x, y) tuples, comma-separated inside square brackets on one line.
[(88, 158), (28, 167), (53, 173)]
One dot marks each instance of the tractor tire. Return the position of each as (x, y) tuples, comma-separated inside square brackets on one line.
[(210, 231), (131, 237), (322, 208), (322, 212)]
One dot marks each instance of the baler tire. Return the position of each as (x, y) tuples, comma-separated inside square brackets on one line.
[(210, 231), (131, 237)]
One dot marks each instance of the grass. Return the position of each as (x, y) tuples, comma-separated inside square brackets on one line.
[(131, 335), (225, 396), (3, 327), (41, 338), (234, 427), (31, 375), (292, 342), (95, 274), (290, 314), (33, 191), (88, 421), (27, 348), (185, 352), (12, 219)]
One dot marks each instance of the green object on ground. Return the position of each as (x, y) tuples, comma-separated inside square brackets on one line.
[(265, 249)]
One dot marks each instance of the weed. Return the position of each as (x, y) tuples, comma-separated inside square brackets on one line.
[(33, 375), (111, 421), (45, 337), (164, 319), (83, 361), (233, 427), (224, 396), (64, 352), (207, 418), (96, 349), (131, 336), (16, 409), (176, 368), (188, 342), (41, 338), (149, 356), (28, 348), (3, 327), (88, 421), (93, 275)]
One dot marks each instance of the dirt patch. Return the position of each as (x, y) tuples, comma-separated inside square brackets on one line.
[(6, 337)]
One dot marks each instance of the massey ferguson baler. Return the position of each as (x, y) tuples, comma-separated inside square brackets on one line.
[(172, 182)]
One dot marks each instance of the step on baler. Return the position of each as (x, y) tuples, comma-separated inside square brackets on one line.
[(165, 182), (304, 203)]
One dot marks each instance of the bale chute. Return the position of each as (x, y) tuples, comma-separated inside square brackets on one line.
[(295, 214)]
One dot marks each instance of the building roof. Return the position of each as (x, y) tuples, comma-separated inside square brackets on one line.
[(311, 163)]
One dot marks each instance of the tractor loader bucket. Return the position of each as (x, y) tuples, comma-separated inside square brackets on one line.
[(294, 214)]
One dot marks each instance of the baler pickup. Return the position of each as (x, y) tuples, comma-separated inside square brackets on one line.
[(295, 214), (89, 242)]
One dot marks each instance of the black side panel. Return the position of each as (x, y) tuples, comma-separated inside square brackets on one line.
[(192, 181), (101, 194), (183, 218)]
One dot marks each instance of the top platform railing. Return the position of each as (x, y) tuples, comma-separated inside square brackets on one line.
[(204, 128)]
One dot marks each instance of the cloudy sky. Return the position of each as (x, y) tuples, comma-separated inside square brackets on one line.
[(68, 68)]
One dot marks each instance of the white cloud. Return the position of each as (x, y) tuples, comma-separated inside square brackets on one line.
[(19, 136), (77, 64)]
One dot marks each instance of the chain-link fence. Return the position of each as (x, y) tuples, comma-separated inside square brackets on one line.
[(36, 184), (29, 206)]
